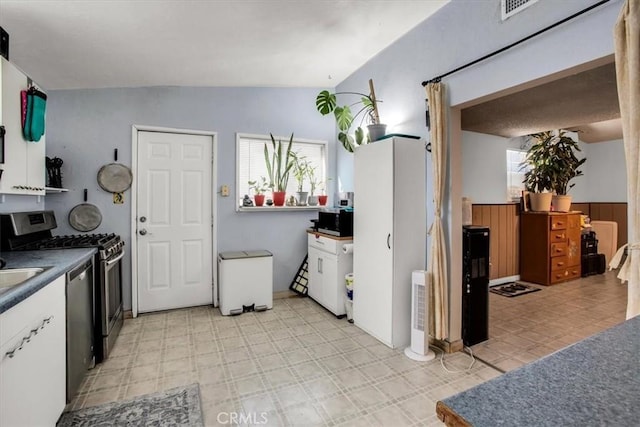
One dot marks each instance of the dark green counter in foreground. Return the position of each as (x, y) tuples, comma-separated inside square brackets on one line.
[(595, 382)]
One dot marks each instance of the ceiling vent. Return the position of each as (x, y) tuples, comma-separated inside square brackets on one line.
[(511, 7)]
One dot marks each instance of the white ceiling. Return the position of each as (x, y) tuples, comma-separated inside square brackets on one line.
[(585, 102), (111, 43)]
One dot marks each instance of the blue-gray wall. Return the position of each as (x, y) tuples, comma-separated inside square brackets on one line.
[(85, 126), (463, 31), (460, 32), (485, 170)]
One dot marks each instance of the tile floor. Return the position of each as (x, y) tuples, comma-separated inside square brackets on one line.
[(296, 363), (525, 328), (299, 365)]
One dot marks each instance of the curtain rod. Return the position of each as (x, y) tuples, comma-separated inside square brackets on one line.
[(537, 33)]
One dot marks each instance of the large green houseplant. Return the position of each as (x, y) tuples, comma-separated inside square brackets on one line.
[(367, 110), (279, 164), (552, 163)]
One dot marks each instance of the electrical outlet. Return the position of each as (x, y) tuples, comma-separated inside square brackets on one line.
[(224, 191)]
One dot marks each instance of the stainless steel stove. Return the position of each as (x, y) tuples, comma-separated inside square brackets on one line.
[(22, 231)]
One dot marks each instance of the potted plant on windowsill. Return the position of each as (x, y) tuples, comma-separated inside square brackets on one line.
[(279, 165), (322, 198), (300, 172), (314, 181), (258, 189), (553, 163), (326, 103)]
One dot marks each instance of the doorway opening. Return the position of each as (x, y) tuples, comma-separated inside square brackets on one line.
[(527, 327)]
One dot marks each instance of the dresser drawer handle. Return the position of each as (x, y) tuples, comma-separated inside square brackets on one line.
[(560, 236), (560, 264)]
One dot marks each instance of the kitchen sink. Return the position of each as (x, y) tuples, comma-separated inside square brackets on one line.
[(14, 276)]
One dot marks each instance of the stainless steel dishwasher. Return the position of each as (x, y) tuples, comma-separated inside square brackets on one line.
[(80, 355)]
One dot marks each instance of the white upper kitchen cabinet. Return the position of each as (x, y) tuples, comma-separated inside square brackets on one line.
[(22, 162), (389, 235)]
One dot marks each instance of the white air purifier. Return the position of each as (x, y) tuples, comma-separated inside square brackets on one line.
[(419, 348)]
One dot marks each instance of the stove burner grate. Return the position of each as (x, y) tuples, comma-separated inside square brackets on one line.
[(74, 241)]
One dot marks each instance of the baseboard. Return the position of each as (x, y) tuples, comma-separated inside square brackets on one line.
[(128, 314), (446, 346), (285, 294)]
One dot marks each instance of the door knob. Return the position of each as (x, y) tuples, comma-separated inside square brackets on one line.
[(143, 232)]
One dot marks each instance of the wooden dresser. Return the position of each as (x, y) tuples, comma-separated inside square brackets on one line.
[(549, 247)]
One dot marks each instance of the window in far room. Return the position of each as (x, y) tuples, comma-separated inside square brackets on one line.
[(515, 174), (251, 166)]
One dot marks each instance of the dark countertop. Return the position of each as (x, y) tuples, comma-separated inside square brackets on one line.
[(59, 260), (594, 382)]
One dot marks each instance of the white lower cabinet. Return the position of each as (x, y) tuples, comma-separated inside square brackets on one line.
[(328, 265), (32, 359)]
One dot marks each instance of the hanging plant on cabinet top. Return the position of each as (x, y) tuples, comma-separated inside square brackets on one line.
[(326, 103)]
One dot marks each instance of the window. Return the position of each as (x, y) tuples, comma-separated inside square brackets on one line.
[(515, 173), (251, 163)]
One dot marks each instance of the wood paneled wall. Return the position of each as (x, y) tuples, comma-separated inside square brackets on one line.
[(504, 223), (607, 212)]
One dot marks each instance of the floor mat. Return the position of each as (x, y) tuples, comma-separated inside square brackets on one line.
[(513, 289), (172, 408)]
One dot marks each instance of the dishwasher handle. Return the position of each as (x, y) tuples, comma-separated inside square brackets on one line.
[(80, 271)]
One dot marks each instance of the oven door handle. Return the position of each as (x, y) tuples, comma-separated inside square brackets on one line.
[(113, 261)]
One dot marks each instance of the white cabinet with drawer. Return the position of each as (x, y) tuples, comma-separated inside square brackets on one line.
[(328, 265), (32, 359)]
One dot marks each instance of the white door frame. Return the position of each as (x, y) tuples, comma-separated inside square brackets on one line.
[(134, 206)]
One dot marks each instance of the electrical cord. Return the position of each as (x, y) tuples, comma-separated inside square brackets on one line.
[(442, 363)]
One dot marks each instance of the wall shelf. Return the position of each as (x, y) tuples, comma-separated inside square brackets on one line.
[(51, 190)]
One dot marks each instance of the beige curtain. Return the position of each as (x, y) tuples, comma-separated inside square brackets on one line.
[(437, 265), (627, 53)]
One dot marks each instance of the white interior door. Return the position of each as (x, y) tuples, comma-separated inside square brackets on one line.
[(174, 220)]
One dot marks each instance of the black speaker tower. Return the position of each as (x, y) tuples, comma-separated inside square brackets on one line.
[(475, 284)]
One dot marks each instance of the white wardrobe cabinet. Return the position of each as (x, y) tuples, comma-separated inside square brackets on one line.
[(389, 235)]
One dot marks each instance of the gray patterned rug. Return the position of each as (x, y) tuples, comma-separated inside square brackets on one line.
[(179, 406)]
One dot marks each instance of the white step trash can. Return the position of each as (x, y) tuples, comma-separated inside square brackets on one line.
[(245, 280)]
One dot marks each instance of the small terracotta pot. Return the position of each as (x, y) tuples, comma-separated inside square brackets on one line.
[(323, 199), (259, 199)]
